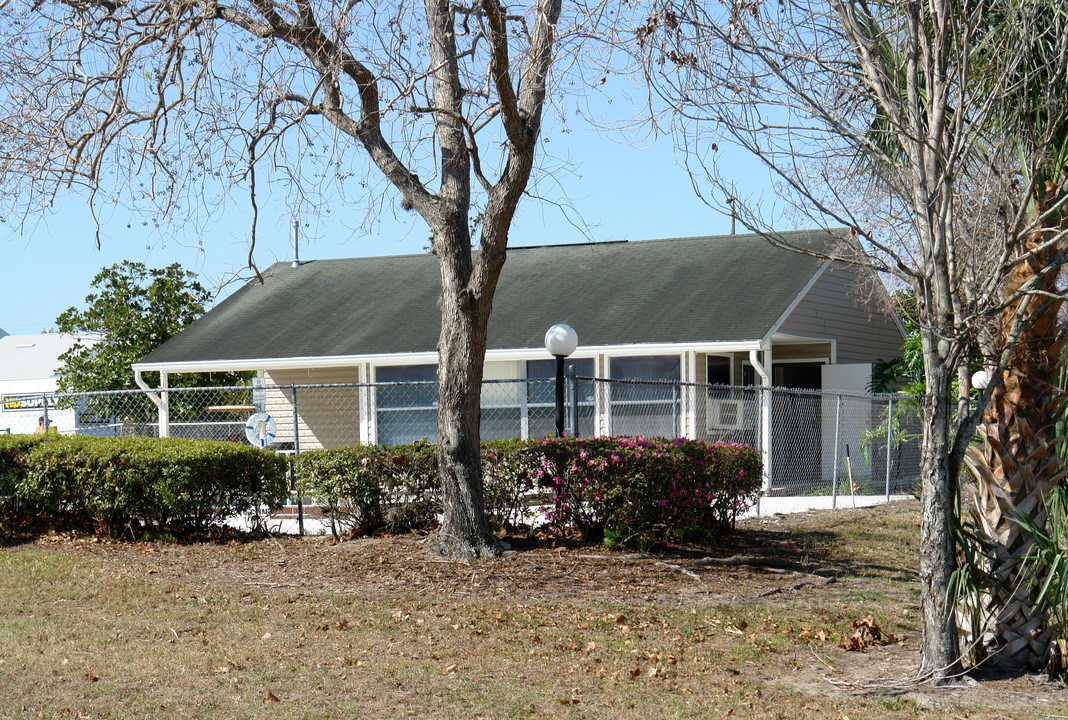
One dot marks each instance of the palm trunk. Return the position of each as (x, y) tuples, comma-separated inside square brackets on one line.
[(1017, 467), (1014, 471)]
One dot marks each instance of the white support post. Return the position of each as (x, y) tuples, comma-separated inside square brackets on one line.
[(165, 406), (162, 403), (603, 398), (372, 407), (765, 413), (691, 394), (524, 410), (362, 411)]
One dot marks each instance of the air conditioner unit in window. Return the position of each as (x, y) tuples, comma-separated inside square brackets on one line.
[(724, 414)]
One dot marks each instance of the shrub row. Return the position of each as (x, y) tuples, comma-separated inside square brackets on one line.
[(622, 488), (629, 489), (115, 482), (13, 448), (372, 488), (625, 489)]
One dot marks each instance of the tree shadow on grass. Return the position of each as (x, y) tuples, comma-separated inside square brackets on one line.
[(819, 550)]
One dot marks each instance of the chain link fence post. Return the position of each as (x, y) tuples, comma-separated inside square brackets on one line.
[(293, 465), (889, 442), (834, 470), (572, 380), (676, 409)]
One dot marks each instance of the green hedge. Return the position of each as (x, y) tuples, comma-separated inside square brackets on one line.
[(624, 488), (373, 487), (13, 450), (163, 482), (640, 489)]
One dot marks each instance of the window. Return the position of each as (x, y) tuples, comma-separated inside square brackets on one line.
[(649, 409), (409, 411), (541, 398), (511, 406), (718, 370)]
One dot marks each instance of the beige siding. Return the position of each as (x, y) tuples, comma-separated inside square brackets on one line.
[(839, 307), (503, 394), (740, 359), (808, 351), (326, 418)]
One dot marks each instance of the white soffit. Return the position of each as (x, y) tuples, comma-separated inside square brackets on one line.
[(334, 361)]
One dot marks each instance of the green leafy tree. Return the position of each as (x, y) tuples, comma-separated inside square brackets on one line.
[(131, 310)]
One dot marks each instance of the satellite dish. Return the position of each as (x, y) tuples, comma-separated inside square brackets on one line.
[(260, 429)]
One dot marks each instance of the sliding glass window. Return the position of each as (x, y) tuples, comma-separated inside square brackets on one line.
[(641, 407), (541, 398), (407, 411)]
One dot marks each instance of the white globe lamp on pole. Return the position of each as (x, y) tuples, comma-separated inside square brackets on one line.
[(561, 340), (980, 379)]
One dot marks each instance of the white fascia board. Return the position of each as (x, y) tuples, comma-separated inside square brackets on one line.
[(421, 358), (291, 363), (794, 303), (590, 351)]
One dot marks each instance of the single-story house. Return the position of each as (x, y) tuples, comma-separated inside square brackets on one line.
[(728, 310)]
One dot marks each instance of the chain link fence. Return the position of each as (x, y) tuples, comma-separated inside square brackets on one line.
[(822, 443)]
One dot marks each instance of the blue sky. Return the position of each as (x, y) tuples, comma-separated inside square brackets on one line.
[(622, 190)]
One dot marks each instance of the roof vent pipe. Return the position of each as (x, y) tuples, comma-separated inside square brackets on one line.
[(296, 242)]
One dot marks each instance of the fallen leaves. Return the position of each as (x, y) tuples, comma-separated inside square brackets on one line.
[(867, 633), (807, 635)]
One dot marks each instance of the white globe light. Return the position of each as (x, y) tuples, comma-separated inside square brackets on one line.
[(561, 340), (980, 379)]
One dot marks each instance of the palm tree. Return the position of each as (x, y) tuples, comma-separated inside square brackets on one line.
[(1017, 465)]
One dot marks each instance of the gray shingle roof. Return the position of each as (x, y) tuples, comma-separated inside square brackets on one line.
[(707, 289)]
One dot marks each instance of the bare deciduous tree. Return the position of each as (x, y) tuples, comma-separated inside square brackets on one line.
[(916, 96), (164, 106)]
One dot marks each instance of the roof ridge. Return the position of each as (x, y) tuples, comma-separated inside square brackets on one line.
[(591, 243)]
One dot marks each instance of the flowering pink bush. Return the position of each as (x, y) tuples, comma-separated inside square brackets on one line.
[(636, 487)]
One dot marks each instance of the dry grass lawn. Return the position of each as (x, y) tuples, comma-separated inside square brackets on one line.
[(379, 628)]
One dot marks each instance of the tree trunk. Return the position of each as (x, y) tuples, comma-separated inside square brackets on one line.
[(465, 532), (940, 657), (1014, 472), (1018, 464)]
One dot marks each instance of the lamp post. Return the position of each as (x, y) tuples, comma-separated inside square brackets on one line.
[(560, 340)]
